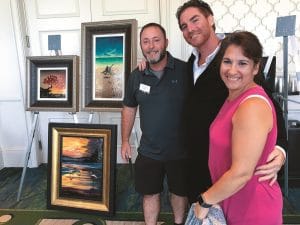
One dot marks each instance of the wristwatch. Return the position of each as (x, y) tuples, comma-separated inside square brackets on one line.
[(202, 202)]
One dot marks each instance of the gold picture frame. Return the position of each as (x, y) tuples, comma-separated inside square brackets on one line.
[(82, 161)]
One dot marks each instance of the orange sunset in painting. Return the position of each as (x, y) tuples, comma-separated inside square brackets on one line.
[(75, 147), (81, 167)]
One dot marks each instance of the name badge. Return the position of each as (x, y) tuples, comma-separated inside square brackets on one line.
[(145, 88)]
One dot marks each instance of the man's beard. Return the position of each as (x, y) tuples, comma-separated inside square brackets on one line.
[(157, 60)]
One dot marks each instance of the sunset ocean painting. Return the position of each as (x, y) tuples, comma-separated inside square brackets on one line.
[(108, 67), (81, 167)]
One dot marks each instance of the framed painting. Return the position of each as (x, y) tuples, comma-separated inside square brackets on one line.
[(81, 167), (108, 55), (52, 83)]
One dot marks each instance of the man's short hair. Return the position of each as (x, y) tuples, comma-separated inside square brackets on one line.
[(154, 25), (203, 7)]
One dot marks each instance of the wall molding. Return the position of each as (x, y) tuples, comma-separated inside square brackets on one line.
[(43, 15), (109, 12)]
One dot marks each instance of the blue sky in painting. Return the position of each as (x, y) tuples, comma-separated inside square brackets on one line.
[(109, 46)]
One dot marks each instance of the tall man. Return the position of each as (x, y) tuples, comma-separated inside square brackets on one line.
[(207, 94), (160, 93)]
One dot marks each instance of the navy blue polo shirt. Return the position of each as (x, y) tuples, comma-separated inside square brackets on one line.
[(161, 104)]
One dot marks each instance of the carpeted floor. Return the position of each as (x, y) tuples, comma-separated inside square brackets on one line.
[(33, 204), (59, 217), (33, 201)]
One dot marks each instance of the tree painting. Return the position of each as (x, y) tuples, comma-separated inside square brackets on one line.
[(52, 84), (50, 80)]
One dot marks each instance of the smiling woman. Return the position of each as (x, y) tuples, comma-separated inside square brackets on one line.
[(248, 136)]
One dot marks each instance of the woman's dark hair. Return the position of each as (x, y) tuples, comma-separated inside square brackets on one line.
[(154, 25), (203, 7), (249, 43)]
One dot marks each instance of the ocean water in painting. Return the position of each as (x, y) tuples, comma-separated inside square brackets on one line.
[(103, 61), (81, 168), (109, 50), (81, 180), (109, 64)]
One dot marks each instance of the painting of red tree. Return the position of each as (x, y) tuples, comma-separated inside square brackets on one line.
[(52, 84)]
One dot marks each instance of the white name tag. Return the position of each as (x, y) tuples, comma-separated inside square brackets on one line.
[(145, 88)]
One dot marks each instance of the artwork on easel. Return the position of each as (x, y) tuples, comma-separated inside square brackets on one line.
[(109, 62), (108, 55), (52, 83)]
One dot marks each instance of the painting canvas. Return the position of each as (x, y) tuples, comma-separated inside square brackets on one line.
[(108, 67), (81, 166), (82, 161), (52, 84)]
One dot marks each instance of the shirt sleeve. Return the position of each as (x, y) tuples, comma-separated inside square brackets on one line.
[(130, 90)]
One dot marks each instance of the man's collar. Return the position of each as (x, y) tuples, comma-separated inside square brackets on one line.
[(197, 54)]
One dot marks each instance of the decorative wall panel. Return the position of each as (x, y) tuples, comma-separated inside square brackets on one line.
[(260, 18), (113, 7), (57, 8)]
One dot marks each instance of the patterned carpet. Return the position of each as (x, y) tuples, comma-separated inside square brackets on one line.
[(33, 203), (5, 219)]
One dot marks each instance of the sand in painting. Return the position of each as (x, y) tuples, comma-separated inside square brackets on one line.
[(109, 78)]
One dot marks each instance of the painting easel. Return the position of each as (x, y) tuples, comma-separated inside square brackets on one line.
[(28, 151), (29, 146)]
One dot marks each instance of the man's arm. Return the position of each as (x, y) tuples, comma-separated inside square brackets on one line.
[(128, 117), (277, 157)]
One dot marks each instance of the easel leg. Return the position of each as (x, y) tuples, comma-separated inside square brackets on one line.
[(75, 118), (90, 118), (28, 151)]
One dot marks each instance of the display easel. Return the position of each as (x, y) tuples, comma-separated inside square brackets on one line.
[(29, 146), (28, 151), (285, 27)]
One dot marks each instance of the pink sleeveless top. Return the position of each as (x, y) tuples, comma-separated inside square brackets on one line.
[(257, 203)]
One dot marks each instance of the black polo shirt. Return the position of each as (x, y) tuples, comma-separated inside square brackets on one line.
[(161, 103)]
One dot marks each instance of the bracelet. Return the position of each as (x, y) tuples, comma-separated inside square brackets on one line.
[(202, 203)]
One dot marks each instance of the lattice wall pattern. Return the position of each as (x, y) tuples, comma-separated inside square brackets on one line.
[(259, 17)]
